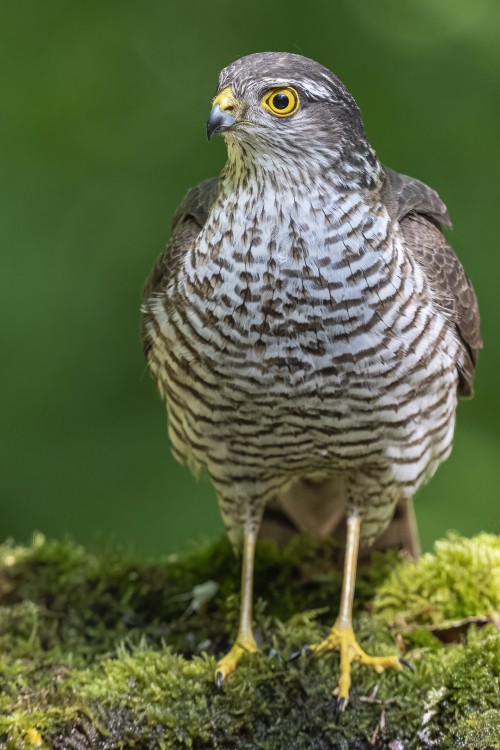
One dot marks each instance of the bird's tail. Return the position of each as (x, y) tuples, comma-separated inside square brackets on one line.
[(318, 507)]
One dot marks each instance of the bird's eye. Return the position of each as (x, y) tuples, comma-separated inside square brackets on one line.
[(281, 102)]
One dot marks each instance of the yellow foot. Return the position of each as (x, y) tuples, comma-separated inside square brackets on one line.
[(229, 662), (342, 639)]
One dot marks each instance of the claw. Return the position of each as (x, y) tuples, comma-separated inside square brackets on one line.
[(341, 706), (342, 639), (275, 655), (407, 665), (229, 662), (294, 656)]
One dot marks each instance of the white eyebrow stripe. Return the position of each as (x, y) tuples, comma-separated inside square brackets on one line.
[(316, 90)]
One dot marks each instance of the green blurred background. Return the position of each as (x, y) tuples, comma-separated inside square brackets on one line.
[(103, 111)]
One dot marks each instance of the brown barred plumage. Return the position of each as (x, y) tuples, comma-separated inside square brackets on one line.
[(308, 325)]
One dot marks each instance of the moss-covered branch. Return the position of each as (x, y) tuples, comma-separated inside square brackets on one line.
[(112, 652)]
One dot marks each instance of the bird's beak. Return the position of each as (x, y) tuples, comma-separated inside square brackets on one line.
[(220, 118), (218, 121)]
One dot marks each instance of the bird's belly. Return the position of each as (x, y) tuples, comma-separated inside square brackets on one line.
[(300, 404), (304, 368)]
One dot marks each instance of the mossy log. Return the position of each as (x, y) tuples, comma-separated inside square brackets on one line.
[(109, 651)]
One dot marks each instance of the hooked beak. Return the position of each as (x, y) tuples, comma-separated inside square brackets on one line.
[(221, 118), (218, 121)]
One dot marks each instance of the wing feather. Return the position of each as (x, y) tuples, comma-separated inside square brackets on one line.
[(187, 223), (421, 213)]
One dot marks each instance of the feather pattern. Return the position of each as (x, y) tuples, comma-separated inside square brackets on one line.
[(308, 322)]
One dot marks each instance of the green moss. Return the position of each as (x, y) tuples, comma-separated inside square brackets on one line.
[(461, 579), (108, 651)]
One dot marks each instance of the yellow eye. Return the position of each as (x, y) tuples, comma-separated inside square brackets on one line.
[(281, 102)]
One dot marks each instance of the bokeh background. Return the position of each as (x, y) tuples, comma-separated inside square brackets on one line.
[(102, 130)]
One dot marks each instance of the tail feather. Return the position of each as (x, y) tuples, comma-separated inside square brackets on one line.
[(318, 507)]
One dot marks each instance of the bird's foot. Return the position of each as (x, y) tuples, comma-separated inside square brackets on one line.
[(229, 662), (343, 640)]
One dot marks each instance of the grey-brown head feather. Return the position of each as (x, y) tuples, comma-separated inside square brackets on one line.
[(328, 116)]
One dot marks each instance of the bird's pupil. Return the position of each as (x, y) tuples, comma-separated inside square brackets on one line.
[(280, 101)]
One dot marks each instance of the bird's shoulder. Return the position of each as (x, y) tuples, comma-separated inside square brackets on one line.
[(403, 195), (187, 223), (196, 204), (421, 214)]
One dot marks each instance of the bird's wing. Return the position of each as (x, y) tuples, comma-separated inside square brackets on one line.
[(421, 213), (403, 195), (186, 226)]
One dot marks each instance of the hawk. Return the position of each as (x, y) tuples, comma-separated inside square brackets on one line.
[(308, 325)]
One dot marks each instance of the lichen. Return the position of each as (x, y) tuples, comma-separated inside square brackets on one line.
[(109, 651)]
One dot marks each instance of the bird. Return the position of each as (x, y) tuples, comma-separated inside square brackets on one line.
[(309, 327)]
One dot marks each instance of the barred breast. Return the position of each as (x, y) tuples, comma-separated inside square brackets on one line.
[(298, 338)]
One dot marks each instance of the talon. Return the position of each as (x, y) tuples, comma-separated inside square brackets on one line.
[(275, 655), (341, 638), (229, 662), (341, 705), (407, 665), (294, 656)]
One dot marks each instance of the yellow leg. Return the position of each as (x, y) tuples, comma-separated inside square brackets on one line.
[(341, 637), (245, 642)]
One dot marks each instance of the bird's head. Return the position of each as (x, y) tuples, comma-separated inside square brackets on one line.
[(285, 105)]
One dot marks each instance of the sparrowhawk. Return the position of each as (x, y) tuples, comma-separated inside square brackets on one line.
[(308, 325)]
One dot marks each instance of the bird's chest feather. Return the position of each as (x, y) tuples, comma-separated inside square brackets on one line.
[(295, 315), (287, 288)]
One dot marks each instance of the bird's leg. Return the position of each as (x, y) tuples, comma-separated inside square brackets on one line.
[(341, 637), (245, 642)]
